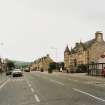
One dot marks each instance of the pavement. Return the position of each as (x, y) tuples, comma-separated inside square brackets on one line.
[(41, 88), (3, 78), (78, 75)]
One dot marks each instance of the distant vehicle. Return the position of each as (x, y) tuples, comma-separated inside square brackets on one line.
[(9, 72), (17, 73), (27, 70)]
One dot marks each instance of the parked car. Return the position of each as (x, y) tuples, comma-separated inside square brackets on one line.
[(17, 73), (9, 72)]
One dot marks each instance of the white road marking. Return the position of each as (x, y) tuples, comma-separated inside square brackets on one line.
[(95, 83), (4, 84), (99, 85), (32, 90), (97, 98), (17, 79), (30, 87), (37, 98), (88, 82), (69, 79), (29, 84), (60, 83), (73, 80)]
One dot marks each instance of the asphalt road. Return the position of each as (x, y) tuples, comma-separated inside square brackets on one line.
[(37, 88)]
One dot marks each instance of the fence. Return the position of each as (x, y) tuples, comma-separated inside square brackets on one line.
[(95, 69)]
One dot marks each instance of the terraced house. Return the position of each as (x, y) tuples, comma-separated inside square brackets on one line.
[(84, 53), (42, 63)]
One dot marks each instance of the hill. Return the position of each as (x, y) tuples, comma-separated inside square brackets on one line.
[(20, 64)]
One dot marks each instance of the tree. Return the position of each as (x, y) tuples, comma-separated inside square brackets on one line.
[(56, 65), (61, 65), (82, 68), (52, 65), (10, 65)]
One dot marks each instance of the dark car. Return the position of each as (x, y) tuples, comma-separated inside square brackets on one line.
[(9, 72)]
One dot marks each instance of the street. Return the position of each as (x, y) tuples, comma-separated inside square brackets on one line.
[(41, 88)]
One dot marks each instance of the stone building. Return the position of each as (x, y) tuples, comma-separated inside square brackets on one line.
[(3, 66), (67, 57), (41, 63), (84, 53)]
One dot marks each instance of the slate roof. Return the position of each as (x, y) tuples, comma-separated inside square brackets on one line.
[(85, 45), (89, 43), (67, 49)]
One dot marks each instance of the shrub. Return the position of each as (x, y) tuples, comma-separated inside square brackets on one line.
[(82, 68), (50, 70)]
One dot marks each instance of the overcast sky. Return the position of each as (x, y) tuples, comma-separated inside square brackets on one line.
[(30, 29)]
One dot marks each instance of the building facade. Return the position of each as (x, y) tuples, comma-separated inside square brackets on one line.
[(84, 53), (41, 63)]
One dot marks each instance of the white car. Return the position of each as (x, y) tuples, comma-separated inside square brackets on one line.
[(17, 73)]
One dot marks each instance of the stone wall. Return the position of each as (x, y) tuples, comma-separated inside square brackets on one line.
[(95, 51)]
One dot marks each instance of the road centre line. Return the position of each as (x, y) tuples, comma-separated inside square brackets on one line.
[(37, 98), (88, 94), (4, 83), (29, 85), (32, 90), (60, 83), (35, 95)]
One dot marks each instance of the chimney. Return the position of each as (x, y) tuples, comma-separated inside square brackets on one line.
[(77, 44), (47, 55), (99, 36)]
